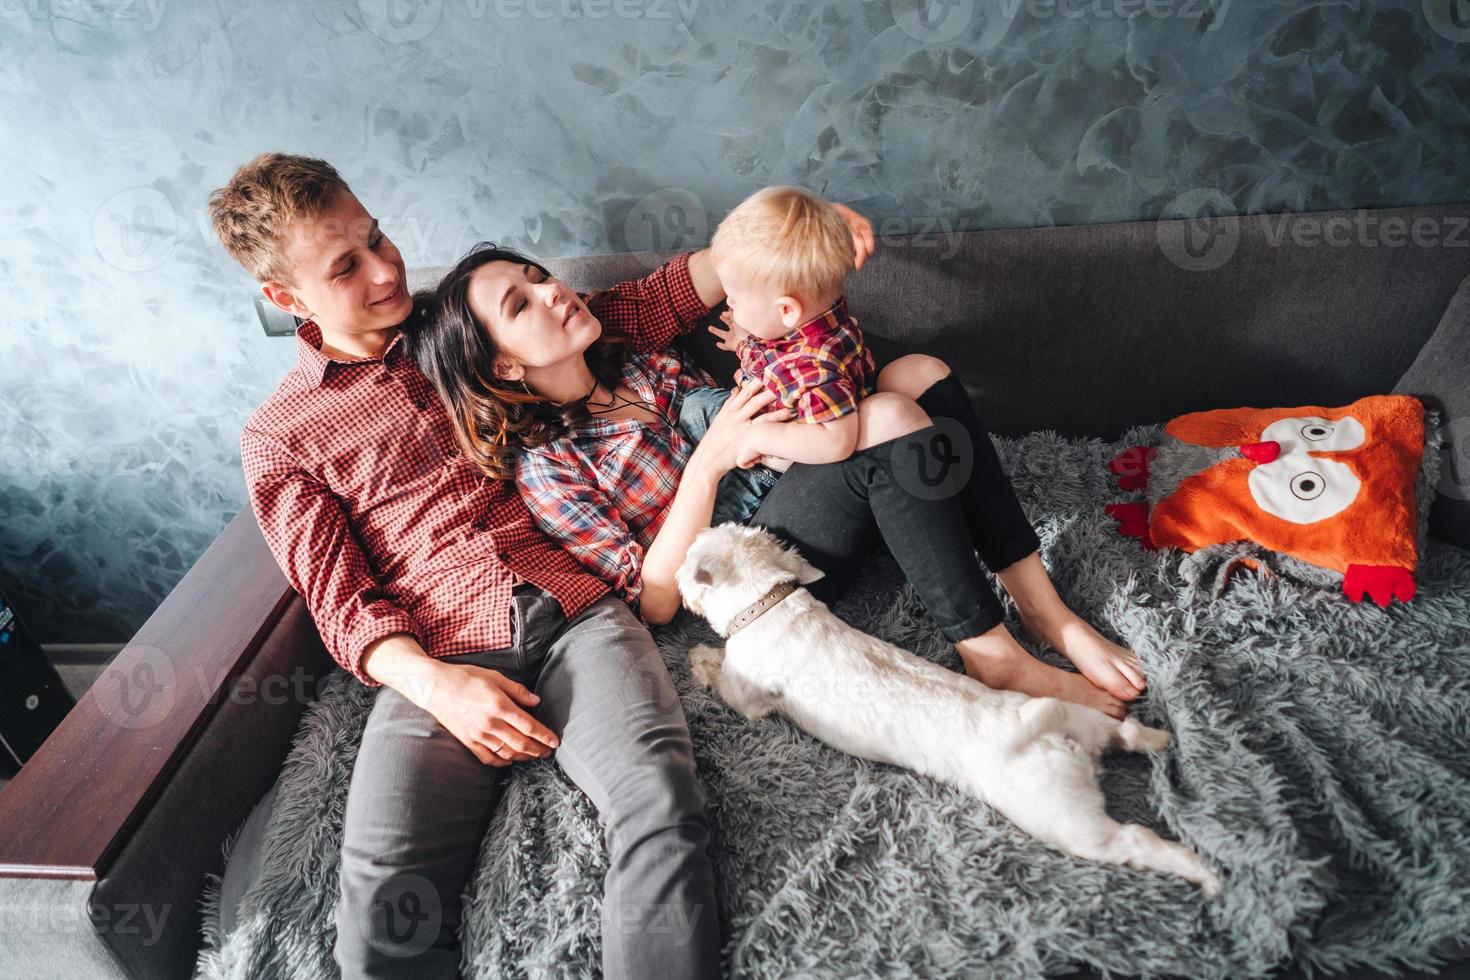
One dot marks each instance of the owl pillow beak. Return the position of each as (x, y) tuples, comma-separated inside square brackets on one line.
[(1261, 452)]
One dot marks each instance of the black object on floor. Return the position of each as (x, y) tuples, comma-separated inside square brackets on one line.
[(33, 699)]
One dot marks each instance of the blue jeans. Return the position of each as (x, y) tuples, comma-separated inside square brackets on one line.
[(740, 491)]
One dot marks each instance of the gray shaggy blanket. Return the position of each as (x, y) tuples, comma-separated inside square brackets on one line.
[(1320, 763)]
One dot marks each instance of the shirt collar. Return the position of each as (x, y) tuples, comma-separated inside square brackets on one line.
[(313, 363), (817, 329), (830, 319)]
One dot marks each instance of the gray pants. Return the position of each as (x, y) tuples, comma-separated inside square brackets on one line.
[(419, 804)]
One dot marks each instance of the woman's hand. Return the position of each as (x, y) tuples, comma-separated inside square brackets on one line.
[(731, 336), (749, 453), (725, 442), (863, 243)]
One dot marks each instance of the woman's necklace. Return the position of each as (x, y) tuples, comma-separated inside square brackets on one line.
[(615, 401)]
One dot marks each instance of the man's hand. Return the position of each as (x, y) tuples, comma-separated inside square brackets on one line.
[(486, 711)]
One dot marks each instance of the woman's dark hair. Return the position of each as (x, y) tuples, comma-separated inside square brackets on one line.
[(493, 418)]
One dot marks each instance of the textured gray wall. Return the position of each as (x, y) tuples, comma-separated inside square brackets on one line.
[(130, 353)]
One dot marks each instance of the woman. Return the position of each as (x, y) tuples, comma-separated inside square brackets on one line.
[(577, 397)]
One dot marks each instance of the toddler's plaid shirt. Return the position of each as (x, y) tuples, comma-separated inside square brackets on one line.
[(819, 370)]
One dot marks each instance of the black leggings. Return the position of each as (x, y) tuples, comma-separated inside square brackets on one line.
[(936, 495)]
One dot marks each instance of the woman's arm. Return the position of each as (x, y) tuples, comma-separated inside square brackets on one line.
[(583, 518), (694, 502), (569, 502), (692, 508)]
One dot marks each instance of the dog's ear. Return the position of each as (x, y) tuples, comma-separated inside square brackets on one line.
[(708, 568), (806, 572)]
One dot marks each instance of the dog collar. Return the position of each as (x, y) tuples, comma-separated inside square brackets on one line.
[(760, 607)]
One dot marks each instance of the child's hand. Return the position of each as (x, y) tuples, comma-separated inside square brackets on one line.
[(747, 456), (731, 336)]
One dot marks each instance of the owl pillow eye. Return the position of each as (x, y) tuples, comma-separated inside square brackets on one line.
[(1308, 486), (1303, 496), (1315, 434)]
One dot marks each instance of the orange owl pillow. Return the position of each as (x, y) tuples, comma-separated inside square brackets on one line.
[(1334, 488)]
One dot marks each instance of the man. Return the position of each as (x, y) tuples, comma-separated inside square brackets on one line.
[(490, 644)]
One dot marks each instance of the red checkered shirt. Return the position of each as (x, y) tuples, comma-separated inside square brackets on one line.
[(819, 370), (378, 520), (603, 488)]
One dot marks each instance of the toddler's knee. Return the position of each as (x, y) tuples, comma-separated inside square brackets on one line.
[(912, 374), (885, 415)]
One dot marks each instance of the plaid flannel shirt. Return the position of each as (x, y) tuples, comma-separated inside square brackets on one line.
[(603, 488), (819, 370)]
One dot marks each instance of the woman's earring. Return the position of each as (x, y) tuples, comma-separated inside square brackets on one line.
[(524, 387)]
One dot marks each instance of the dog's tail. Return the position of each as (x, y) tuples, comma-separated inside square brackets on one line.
[(1036, 717)]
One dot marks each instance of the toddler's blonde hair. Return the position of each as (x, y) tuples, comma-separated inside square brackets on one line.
[(789, 240)]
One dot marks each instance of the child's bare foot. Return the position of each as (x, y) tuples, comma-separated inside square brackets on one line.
[(996, 660), (1108, 665)]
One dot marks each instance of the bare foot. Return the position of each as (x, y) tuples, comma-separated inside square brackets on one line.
[(1046, 618), (996, 660), (1111, 667)]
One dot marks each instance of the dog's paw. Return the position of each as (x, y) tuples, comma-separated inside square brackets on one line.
[(704, 664), (1135, 737)]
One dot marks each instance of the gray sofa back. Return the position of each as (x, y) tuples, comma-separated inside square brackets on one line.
[(1088, 330)]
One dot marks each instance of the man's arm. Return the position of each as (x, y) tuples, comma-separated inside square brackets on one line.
[(364, 630), (313, 542)]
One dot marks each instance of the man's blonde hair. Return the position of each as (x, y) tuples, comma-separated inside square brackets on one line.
[(789, 240), (252, 213)]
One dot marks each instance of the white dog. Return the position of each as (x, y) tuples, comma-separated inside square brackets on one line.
[(1033, 759)]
